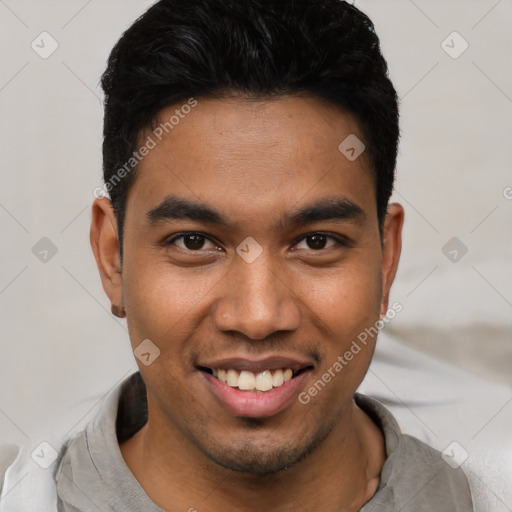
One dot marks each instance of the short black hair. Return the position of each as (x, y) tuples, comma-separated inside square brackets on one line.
[(181, 50)]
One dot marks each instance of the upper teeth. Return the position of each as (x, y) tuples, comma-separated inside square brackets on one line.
[(248, 381)]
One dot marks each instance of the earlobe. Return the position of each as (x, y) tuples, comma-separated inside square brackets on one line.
[(105, 246), (392, 247), (118, 310)]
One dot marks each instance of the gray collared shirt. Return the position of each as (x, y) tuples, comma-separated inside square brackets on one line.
[(93, 476)]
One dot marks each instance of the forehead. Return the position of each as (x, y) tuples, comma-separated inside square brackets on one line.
[(253, 156)]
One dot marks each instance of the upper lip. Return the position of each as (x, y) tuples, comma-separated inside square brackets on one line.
[(257, 365)]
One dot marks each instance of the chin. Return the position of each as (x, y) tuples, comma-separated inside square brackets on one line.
[(247, 461), (257, 458)]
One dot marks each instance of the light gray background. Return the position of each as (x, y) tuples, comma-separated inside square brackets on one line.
[(59, 342)]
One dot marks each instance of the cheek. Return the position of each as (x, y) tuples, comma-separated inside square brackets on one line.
[(166, 308), (164, 303), (344, 309), (347, 299)]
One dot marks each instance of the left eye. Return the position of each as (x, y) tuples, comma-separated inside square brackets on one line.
[(317, 242), (193, 242)]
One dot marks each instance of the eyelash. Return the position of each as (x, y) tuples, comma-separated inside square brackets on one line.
[(338, 239)]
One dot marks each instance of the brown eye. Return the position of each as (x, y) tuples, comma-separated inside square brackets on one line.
[(316, 242), (193, 242)]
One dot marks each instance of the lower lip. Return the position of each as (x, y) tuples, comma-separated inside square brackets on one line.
[(251, 404)]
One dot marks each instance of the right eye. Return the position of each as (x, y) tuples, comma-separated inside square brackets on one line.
[(192, 242)]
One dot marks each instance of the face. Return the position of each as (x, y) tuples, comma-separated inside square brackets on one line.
[(251, 255)]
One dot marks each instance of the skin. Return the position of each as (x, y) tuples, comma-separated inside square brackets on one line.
[(254, 161)]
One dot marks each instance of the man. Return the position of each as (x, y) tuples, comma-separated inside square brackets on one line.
[(249, 155)]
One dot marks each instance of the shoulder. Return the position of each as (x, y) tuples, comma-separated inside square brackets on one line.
[(29, 473), (27, 476), (418, 456), (8, 454), (436, 481), (415, 477)]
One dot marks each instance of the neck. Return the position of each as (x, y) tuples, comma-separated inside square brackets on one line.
[(341, 474)]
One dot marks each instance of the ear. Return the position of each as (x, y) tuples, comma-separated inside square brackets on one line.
[(392, 247), (105, 246)]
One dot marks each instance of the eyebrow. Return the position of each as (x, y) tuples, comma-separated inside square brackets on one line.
[(327, 209)]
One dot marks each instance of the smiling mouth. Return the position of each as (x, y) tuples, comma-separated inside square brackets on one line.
[(249, 381)]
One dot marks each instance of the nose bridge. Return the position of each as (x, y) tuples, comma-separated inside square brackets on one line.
[(261, 284), (256, 301)]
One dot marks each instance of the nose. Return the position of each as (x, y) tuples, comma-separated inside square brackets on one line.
[(256, 300)]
